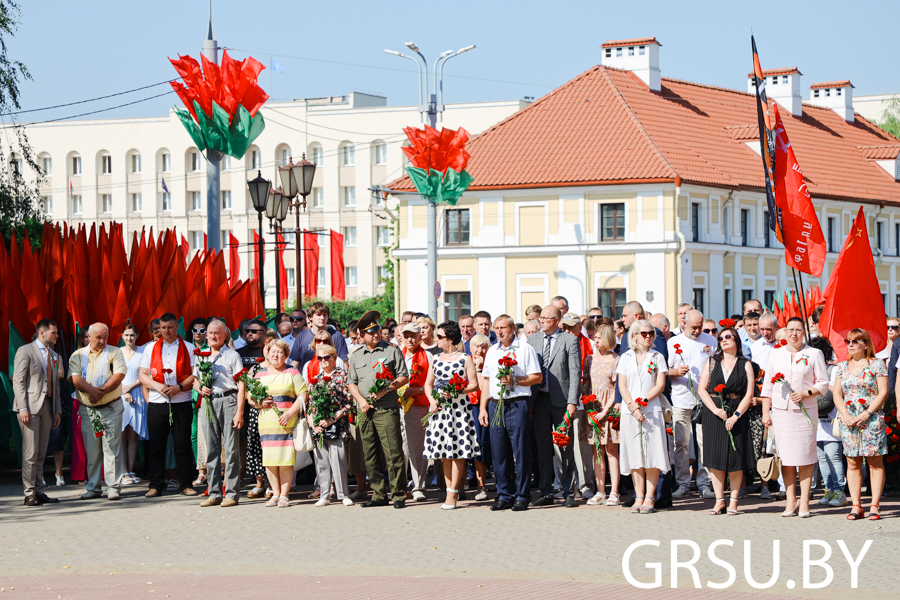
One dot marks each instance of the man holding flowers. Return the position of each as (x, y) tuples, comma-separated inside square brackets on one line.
[(215, 372), (377, 371)]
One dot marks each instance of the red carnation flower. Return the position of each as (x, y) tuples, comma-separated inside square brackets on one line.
[(895, 438), (719, 388), (861, 401), (679, 351), (727, 323), (676, 346)]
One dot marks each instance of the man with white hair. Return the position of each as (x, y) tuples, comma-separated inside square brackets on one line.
[(97, 371), (531, 328), (681, 312), (768, 325), (688, 354), (661, 322)]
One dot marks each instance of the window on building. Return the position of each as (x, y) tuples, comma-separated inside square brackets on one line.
[(837, 92), (884, 299), (47, 202), (106, 164), (166, 202), (381, 154), (166, 160), (47, 166), (612, 222), (769, 298), (897, 305), (727, 301), (76, 204), (456, 225), (879, 226), (832, 226), (695, 222), (136, 203), (383, 276), (897, 239), (699, 298), (226, 199), (318, 198), (458, 304), (196, 240), (611, 301), (135, 163), (609, 53), (815, 93), (350, 276), (106, 203), (630, 50), (784, 79), (746, 296), (291, 274), (322, 277), (348, 156), (767, 231), (317, 156), (348, 196), (618, 52), (349, 234), (383, 235), (285, 156), (195, 161), (76, 165), (745, 227), (195, 200), (642, 50)]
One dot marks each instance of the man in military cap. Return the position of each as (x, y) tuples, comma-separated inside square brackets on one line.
[(379, 420)]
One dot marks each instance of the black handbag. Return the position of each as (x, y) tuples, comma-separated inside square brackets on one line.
[(697, 414), (825, 405)]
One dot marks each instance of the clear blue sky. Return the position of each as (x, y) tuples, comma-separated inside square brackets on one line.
[(80, 50)]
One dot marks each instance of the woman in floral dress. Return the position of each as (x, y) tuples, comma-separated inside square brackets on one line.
[(860, 390), (602, 364)]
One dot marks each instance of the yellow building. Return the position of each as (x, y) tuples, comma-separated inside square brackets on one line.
[(575, 195)]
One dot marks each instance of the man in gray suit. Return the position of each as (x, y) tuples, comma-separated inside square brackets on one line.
[(35, 382), (559, 355)]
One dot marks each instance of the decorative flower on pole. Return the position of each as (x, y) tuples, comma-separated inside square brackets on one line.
[(222, 103), (439, 160)]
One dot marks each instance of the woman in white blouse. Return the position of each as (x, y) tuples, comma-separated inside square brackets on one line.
[(643, 448)]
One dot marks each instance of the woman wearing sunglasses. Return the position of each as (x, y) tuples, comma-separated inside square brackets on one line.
[(860, 389), (795, 377), (726, 390), (643, 447)]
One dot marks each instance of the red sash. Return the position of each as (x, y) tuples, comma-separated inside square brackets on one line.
[(586, 349), (420, 367), (182, 363)]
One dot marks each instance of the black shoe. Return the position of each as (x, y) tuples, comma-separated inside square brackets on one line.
[(663, 504), (45, 499), (543, 501), (31, 500), (502, 505), (570, 501), (399, 503), (628, 503), (520, 505), (382, 502), (462, 495)]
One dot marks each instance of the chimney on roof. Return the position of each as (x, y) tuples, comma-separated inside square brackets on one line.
[(640, 56), (782, 86), (836, 95)]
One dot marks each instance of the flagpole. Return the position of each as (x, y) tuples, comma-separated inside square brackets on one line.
[(801, 303)]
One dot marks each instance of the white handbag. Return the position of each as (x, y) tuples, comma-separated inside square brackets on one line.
[(303, 439)]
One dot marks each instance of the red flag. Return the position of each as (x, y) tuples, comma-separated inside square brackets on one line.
[(195, 306), (219, 306), (32, 285), (185, 246), (311, 264), (168, 301), (338, 289), (853, 296), (279, 264), (120, 314), (234, 260), (804, 242)]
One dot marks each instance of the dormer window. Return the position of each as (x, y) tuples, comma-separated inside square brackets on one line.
[(609, 53), (630, 50), (815, 93), (837, 92), (775, 81), (784, 79), (618, 52), (642, 50), (827, 92)]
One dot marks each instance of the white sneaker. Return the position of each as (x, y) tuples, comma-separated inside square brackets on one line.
[(765, 494), (826, 497), (60, 481), (418, 496), (681, 492), (838, 499), (324, 501), (481, 495), (347, 501)]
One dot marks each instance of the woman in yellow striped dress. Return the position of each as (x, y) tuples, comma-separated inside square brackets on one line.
[(287, 391)]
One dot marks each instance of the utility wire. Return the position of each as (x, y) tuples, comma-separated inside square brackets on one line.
[(22, 112), (94, 112)]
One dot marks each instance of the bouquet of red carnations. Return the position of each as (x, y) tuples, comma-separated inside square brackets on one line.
[(506, 368), (97, 425), (253, 387), (561, 435), (445, 394), (383, 378), (207, 377), (719, 389), (323, 402)]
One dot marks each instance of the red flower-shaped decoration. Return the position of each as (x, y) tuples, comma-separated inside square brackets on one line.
[(727, 323), (437, 150), (719, 388), (228, 85)]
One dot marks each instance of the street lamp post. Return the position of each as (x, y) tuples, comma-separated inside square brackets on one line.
[(297, 179), (273, 210), (259, 195), (431, 109)]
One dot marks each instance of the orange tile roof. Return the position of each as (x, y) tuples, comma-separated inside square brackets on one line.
[(634, 42), (887, 152), (768, 72), (831, 84), (606, 127)]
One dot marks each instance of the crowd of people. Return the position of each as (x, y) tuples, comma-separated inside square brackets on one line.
[(630, 412)]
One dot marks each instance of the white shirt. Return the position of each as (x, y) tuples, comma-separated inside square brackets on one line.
[(169, 360), (408, 357), (528, 364), (760, 350), (239, 343), (44, 351), (694, 354)]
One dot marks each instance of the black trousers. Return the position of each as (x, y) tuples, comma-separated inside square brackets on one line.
[(158, 430), (545, 418)]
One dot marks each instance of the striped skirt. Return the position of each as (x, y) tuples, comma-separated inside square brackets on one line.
[(277, 441)]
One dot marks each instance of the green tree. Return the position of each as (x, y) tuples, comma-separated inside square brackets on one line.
[(890, 118), (21, 207)]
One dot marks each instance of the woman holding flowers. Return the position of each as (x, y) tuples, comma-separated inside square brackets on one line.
[(328, 416), (726, 390), (795, 377), (277, 416), (860, 389), (604, 425), (450, 436), (643, 445)]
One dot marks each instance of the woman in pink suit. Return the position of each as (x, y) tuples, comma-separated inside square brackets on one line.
[(795, 377)]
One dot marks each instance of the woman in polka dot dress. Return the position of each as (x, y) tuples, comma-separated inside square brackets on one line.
[(450, 436)]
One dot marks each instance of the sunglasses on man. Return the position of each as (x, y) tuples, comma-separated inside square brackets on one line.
[(300, 319), (260, 331), (711, 331), (894, 327)]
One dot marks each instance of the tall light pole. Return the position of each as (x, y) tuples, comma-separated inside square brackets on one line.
[(297, 182), (259, 195), (213, 200), (431, 110)]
